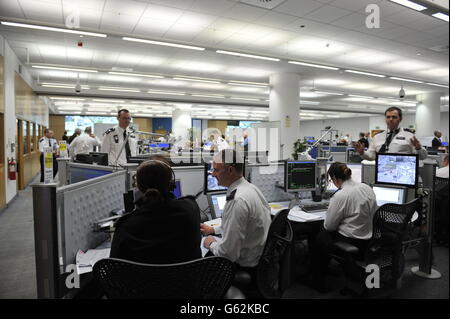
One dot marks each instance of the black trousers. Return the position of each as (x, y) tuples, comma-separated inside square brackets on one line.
[(55, 166)]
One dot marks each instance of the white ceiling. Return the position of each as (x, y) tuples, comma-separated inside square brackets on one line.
[(330, 32)]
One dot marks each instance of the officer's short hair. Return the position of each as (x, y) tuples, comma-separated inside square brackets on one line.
[(88, 130), (394, 108), (231, 158), (122, 110)]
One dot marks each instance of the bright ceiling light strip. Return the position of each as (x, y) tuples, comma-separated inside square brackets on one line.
[(329, 93), (190, 47), (441, 16), (195, 80), (62, 68), (243, 98), (117, 89), (366, 73), (58, 86), (113, 101), (248, 55), (164, 92), (435, 84), (212, 96), (361, 96), (314, 65), (410, 4), (40, 27), (137, 74), (66, 98), (402, 79), (248, 85)]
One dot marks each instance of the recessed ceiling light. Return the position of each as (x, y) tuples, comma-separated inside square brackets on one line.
[(247, 55), (176, 45), (441, 16), (195, 80), (406, 80), (40, 27), (105, 100), (435, 84), (366, 73), (66, 98), (410, 4), (165, 92), (328, 93), (63, 68), (314, 65), (137, 74), (210, 95), (117, 89)]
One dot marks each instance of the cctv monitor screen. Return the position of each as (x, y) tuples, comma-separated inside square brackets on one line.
[(394, 195), (177, 191), (299, 176), (217, 203), (397, 169)]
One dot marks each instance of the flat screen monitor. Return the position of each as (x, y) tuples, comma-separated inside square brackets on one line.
[(397, 169), (299, 176), (387, 194), (444, 143), (164, 145), (216, 204), (177, 191), (99, 158), (211, 184)]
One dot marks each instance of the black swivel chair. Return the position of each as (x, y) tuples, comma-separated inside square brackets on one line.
[(205, 278), (273, 273), (441, 208), (385, 248)]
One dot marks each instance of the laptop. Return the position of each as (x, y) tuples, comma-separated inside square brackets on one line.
[(217, 204), (386, 194)]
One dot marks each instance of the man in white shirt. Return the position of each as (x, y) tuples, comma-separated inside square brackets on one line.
[(84, 144), (246, 215), (443, 171), (113, 140), (48, 141)]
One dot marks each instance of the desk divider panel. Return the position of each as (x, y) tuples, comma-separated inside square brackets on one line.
[(265, 178)]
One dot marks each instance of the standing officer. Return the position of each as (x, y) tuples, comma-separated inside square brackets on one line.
[(394, 140), (48, 141), (114, 138), (84, 144)]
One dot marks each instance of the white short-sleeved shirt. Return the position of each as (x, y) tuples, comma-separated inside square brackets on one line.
[(83, 144), (112, 143)]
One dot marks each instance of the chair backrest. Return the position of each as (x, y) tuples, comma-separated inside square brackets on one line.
[(273, 272), (205, 278), (441, 186)]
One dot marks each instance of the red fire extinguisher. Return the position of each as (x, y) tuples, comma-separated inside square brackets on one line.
[(12, 169)]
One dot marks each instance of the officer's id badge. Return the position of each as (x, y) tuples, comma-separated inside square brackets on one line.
[(400, 138), (116, 138)]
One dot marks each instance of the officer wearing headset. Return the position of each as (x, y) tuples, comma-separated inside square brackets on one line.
[(162, 229), (394, 140)]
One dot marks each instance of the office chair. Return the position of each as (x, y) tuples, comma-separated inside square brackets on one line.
[(385, 248), (204, 278), (441, 207), (273, 273)]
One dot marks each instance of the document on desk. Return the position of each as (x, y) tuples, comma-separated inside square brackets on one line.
[(276, 207), (298, 215), (86, 260), (205, 250), (214, 222)]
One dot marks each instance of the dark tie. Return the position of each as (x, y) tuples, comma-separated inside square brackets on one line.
[(127, 146), (385, 146), (49, 143)]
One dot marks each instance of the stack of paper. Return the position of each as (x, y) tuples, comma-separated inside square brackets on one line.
[(86, 260), (298, 215), (214, 222)]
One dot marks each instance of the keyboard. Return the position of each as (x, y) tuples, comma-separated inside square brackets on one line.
[(315, 208)]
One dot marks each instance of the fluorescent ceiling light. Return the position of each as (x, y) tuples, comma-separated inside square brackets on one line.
[(410, 4), (137, 74), (117, 89), (114, 101), (247, 55), (66, 98), (309, 102), (361, 96), (314, 65), (329, 93), (40, 27), (58, 86), (212, 96), (256, 85), (366, 73), (435, 84), (62, 68), (441, 16), (244, 99), (406, 80), (195, 80), (164, 92), (164, 44)]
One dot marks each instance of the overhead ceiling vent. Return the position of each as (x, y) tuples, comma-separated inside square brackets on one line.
[(440, 48), (266, 4)]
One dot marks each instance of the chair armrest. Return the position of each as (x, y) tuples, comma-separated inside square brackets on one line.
[(346, 247)]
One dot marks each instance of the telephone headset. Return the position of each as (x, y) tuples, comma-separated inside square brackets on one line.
[(172, 184)]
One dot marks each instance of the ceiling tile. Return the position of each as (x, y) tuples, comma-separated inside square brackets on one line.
[(83, 5), (11, 9), (275, 20), (42, 11), (327, 14), (122, 7), (183, 32), (121, 23), (196, 19), (162, 13), (299, 8), (150, 27), (211, 37), (216, 7), (352, 21), (182, 4), (244, 12), (352, 5)]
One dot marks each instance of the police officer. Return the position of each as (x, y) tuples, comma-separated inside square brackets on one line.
[(48, 141), (394, 140), (114, 138), (84, 143)]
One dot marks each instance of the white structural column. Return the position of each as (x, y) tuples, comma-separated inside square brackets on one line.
[(181, 122), (284, 107), (428, 114)]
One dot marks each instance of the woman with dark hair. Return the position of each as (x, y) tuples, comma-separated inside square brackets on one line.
[(162, 229), (349, 219)]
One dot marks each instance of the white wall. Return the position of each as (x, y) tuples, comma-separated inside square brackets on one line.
[(351, 126), (444, 126)]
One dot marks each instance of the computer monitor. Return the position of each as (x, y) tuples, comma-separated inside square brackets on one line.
[(397, 169), (128, 201), (388, 194), (99, 158), (216, 204), (211, 184), (177, 191), (299, 176)]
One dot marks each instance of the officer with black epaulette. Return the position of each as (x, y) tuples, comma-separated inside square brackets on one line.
[(48, 141), (114, 138), (393, 140)]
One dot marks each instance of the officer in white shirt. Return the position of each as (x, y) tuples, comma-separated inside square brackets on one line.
[(84, 144), (221, 144), (246, 215), (394, 140), (48, 141), (443, 171), (114, 138)]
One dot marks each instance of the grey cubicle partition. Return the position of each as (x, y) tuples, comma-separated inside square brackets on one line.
[(368, 172), (63, 224)]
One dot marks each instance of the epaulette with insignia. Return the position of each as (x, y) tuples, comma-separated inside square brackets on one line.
[(41, 140), (231, 197), (408, 130), (379, 132), (112, 129)]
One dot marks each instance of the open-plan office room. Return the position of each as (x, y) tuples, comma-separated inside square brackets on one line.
[(224, 149)]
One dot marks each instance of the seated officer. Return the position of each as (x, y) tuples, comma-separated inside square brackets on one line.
[(246, 215), (162, 230)]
